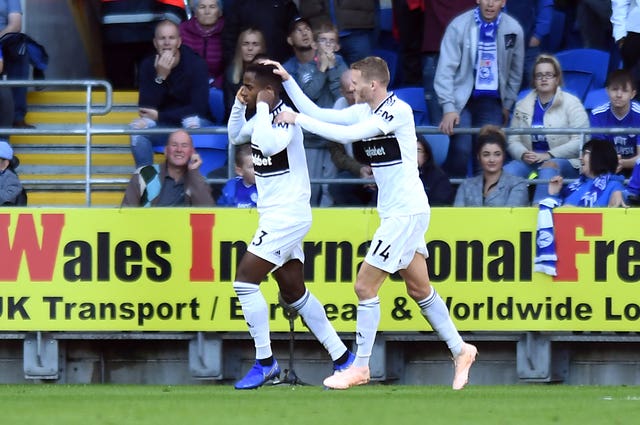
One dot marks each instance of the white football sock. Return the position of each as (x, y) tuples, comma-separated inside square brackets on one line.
[(435, 311), (366, 328), (315, 318), (256, 313)]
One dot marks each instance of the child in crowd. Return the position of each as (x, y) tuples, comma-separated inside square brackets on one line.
[(241, 191), (620, 111), (11, 192)]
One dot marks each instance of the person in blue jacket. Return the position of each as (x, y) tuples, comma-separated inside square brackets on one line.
[(598, 184), (241, 191)]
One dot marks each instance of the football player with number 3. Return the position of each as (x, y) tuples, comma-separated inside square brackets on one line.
[(382, 131), (284, 192)]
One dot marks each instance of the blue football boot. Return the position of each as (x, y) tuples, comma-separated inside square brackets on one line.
[(258, 375), (343, 366)]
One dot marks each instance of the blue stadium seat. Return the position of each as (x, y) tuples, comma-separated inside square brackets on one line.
[(595, 98), (439, 145), (212, 149), (386, 19), (391, 58), (577, 83), (414, 96), (216, 105), (586, 60)]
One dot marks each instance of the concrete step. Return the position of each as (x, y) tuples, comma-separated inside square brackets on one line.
[(55, 97), (61, 198), (98, 140), (36, 117)]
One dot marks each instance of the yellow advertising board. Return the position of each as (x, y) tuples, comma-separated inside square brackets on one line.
[(172, 269)]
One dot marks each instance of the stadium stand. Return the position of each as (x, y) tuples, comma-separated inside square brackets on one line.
[(51, 162)]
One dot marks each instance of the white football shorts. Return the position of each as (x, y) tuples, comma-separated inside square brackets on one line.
[(279, 242), (397, 240)]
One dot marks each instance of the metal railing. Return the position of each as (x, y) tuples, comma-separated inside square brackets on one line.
[(88, 130)]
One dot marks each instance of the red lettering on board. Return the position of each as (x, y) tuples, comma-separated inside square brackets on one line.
[(41, 259), (202, 247), (567, 244)]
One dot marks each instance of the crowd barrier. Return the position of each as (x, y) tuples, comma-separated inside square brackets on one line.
[(89, 129)]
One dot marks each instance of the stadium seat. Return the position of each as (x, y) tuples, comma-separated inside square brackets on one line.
[(595, 98), (439, 145), (216, 105), (586, 60), (212, 149), (386, 19), (577, 83), (391, 58), (523, 94), (414, 96)]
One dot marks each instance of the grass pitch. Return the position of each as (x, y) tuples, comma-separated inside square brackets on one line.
[(307, 405)]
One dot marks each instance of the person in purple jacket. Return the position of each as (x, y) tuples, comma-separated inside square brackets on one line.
[(203, 33)]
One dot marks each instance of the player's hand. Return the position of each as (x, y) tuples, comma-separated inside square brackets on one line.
[(279, 69), (286, 117), (449, 121)]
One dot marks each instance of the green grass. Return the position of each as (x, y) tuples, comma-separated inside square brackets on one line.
[(373, 404)]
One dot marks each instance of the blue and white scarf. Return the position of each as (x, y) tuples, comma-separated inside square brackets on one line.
[(546, 257), (487, 64)]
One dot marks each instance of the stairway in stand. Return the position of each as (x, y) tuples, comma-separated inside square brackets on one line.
[(49, 162)]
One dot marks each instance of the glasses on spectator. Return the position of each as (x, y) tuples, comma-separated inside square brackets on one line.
[(327, 41), (545, 76)]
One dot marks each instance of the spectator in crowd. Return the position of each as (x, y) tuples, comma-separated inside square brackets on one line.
[(593, 22), (625, 18), (6, 101), (384, 131), (355, 21), (271, 17), (598, 184), (10, 186), (15, 62), (285, 218), (621, 111), (534, 29), (203, 33), (127, 26), (436, 183), (346, 164), (250, 43), (546, 106), (174, 91), (437, 15), (177, 182), (241, 191), (408, 20), (317, 69), (478, 75), (493, 187)]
